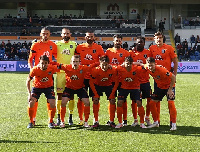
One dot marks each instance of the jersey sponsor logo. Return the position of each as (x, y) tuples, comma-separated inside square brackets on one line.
[(45, 79), (104, 79), (88, 57), (163, 51), (120, 54), (158, 57), (128, 79), (47, 53), (71, 46), (139, 61), (66, 51), (74, 77), (94, 51), (145, 56), (50, 47), (115, 61)]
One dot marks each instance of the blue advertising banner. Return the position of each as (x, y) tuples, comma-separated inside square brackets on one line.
[(22, 66), (8, 65)]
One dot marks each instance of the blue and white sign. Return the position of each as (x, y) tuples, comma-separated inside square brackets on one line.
[(188, 67), (8, 65), (22, 66)]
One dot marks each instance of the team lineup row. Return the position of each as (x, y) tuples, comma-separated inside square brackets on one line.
[(90, 67)]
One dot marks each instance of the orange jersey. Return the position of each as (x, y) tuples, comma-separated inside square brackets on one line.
[(103, 78), (117, 57), (39, 48), (161, 76), (89, 54), (75, 77), (129, 79), (163, 55), (43, 78), (141, 57)]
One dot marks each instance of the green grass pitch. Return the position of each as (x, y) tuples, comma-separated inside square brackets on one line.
[(14, 136)]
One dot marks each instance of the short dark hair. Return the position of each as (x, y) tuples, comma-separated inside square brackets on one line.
[(117, 36), (45, 29), (158, 33), (129, 59), (141, 38), (104, 58), (150, 60), (44, 57)]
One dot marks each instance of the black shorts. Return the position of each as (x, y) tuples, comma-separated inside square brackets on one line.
[(49, 92), (158, 93), (134, 94), (81, 93), (145, 90), (101, 89), (87, 85)]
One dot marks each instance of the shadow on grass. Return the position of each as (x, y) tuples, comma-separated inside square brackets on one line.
[(163, 129), (14, 141)]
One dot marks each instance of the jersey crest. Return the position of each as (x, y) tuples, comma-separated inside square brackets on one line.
[(94, 51), (134, 73), (163, 51), (145, 56), (50, 47), (71, 46), (120, 54)]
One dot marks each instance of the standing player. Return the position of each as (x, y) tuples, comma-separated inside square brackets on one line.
[(165, 81), (43, 47), (139, 54), (89, 52), (75, 85), (66, 50), (101, 81), (116, 56), (43, 82), (164, 55), (129, 78)]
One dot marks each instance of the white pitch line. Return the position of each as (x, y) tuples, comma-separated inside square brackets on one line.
[(13, 93)]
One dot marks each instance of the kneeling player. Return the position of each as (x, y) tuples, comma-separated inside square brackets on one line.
[(129, 78), (101, 81), (43, 83)]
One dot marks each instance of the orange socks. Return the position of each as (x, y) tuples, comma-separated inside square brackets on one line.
[(119, 114), (31, 113), (125, 110), (112, 112), (96, 111), (80, 106), (48, 106), (141, 113), (51, 112), (62, 113), (86, 112), (153, 109), (148, 107), (172, 111), (35, 109), (158, 110), (134, 109)]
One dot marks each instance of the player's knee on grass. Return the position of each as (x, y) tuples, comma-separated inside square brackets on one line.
[(64, 101), (59, 96), (31, 102), (139, 103), (112, 101), (86, 101), (120, 103), (95, 100), (52, 103)]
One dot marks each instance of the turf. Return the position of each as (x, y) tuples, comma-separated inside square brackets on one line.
[(14, 136)]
